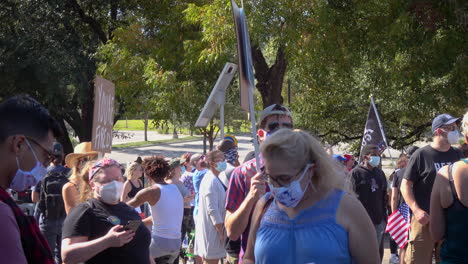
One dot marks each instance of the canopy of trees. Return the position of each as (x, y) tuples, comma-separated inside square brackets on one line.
[(165, 56)]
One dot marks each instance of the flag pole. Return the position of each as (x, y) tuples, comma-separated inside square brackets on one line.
[(381, 128)]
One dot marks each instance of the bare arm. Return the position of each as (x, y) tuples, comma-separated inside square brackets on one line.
[(70, 195), (150, 195), (126, 189), (408, 194), (35, 197), (249, 256), (236, 222), (437, 225), (354, 218), (395, 198)]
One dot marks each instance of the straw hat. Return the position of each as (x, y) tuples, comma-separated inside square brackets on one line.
[(81, 150)]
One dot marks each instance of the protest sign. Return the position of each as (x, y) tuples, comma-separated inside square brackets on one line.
[(103, 118)]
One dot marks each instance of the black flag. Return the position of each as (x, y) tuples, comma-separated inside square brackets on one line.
[(373, 132)]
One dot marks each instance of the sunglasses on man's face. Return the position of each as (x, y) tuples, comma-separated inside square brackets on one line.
[(277, 125)]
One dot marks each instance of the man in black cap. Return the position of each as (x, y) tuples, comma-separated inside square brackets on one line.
[(418, 179)]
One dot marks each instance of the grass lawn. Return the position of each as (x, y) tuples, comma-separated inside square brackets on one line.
[(147, 143), (244, 127), (132, 125)]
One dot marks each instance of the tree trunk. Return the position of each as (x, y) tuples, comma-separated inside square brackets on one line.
[(174, 133), (65, 139), (81, 120), (269, 79), (146, 126)]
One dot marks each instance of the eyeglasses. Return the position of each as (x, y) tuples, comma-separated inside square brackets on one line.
[(449, 128), (49, 156), (280, 180), (277, 125)]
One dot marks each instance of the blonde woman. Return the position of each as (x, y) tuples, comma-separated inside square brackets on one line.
[(133, 184), (77, 161), (307, 217)]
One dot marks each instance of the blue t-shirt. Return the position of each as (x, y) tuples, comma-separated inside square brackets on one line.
[(197, 179)]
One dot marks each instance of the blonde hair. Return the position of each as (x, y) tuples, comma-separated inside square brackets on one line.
[(402, 160), (297, 148), (465, 124), (130, 169), (85, 189)]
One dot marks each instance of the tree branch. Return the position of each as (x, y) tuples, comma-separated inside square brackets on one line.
[(95, 26)]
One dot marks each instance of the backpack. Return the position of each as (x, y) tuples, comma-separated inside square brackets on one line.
[(51, 201)]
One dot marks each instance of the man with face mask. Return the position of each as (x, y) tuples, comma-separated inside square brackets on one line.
[(209, 223), (245, 187), (370, 185), (418, 179), (27, 134)]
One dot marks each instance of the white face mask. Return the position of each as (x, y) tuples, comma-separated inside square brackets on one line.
[(110, 193), (453, 137), (25, 179), (291, 195)]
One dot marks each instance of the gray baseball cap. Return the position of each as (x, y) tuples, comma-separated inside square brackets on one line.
[(274, 109), (443, 119)]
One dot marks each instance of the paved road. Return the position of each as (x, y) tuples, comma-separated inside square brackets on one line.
[(173, 150)]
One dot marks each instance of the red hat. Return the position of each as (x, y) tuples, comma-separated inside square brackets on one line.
[(348, 157)]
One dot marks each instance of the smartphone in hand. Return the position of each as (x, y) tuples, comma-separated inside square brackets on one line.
[(132, 225)]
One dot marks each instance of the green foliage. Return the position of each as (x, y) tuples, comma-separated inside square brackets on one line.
[(385, 49)]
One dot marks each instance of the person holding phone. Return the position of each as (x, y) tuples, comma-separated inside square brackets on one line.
[(103, 229)]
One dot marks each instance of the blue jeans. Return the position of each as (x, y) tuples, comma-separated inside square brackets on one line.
[(380, 230), (52, 230)]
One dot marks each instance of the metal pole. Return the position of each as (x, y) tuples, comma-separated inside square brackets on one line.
[(254, 128), (221, 120)]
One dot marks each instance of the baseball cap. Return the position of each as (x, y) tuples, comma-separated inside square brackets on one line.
[(443, 119), (339, 158), (195, 158), (174, 163), (348, 157), (275, 109), (411, 149), (57, 150)]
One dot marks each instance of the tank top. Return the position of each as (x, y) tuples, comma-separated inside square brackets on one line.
[(454, 248), (134, 190), (168, 212), (313, 236)]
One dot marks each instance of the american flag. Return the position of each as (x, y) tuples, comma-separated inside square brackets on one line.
[(398, 225)]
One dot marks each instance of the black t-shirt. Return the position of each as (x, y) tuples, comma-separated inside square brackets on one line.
[(397, 178), (422, 169), (94, 219), (371, 188)]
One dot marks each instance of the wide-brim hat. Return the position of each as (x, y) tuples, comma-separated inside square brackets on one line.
[(83, 149)]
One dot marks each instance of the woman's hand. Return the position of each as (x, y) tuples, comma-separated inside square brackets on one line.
[(117, 238)]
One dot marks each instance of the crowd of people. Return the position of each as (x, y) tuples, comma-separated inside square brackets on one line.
[(301, 205)]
